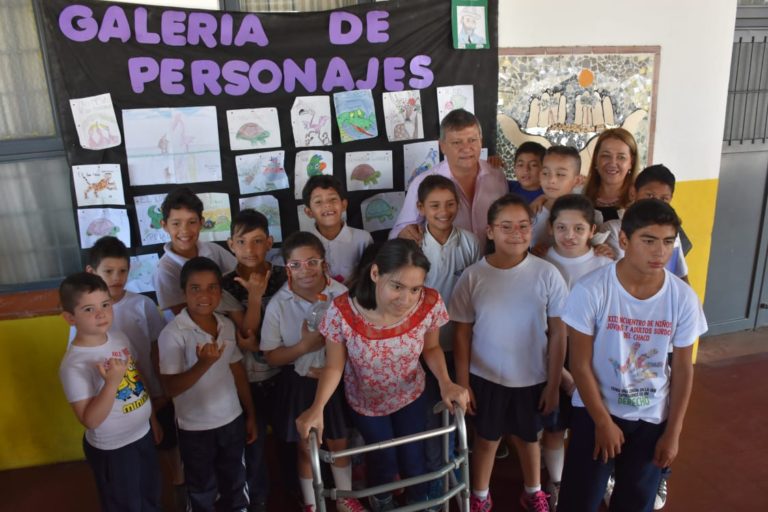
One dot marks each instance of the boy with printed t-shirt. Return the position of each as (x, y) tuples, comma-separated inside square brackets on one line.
[(628, 411), (324, 202), (107, 393), (182, 214)]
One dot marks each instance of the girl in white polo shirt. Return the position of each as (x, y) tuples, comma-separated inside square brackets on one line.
[(509, 347)]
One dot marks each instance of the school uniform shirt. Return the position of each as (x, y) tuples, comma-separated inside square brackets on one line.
[(343, 252), (168, 272), (631, 339), (447, 262), (212, 401), (281, 326), (573, 269), (509, 309), (128, 420), (383, 373)]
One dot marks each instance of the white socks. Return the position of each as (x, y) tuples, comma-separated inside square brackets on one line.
[(554, 460), (342, 477), (307, 491), (531, 490), (481, 495)]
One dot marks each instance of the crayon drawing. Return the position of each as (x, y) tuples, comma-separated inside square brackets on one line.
[(95, 223), (217, 216), (261, 172), (419, 158), (311, 121), (308, 164), (402, 115), (380, 211), (149, 217), (369, 170), (140, 275), (355, 115), (98, 184), (453, 97), (172, 145), (253, 128), (96, 122), (270, 207)]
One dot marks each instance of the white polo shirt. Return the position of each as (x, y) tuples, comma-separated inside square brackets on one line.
[(343, 252), (212, 401)]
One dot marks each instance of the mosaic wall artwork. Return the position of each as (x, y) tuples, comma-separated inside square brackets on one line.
[(570, 95)]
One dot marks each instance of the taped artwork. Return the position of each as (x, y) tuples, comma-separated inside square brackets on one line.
[(369, 170), (253, 128), (311, 121), (402, 115), (380, 211), (355, 115), (96, 122), (140, 275), (149, 217), (217, 216), (270, 207), (95, 223), (453, 97), (308, 164), (261, 172), (419, 158), (98, 184)]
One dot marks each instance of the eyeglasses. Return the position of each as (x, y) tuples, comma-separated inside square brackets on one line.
[(311, 263), (510, 227)]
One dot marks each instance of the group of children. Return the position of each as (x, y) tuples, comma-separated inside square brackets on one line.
[(338, 336)]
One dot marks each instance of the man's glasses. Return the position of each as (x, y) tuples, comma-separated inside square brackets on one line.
[(311, 263)]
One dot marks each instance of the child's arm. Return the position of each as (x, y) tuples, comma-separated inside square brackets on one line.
[(435, 359), (207, 355), (256, 286), (92, 412), (608, 436), (244, 394), (679, 394), (462, 347), (335, 359), (309, 342), (550, 397)]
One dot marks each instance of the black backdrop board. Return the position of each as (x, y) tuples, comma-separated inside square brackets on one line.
[(97, 65)]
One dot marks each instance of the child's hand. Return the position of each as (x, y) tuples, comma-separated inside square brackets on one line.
[(605, 250), (209, 353), (538, 203), (567, 384), (311, 340), (608, 441), (251, 430), (315, 372), (496, 161), (540, 249), (113, 370), (157, 430), (413, 232), (256, 283), (247, 341), (550, 399), (666, 450)]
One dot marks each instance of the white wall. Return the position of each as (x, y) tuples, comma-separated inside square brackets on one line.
[(695, 38)]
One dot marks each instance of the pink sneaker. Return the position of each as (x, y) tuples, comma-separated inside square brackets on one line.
[(478, 505), (349, 505), (536, 502)]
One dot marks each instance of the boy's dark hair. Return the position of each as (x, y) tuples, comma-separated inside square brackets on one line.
[(497, 206), (249, 220), (321, 181), (435, 182), (576, 202), (301, 239), (655, 173), (76, 285), (531, 147), (567, 151), (181, 197), (107, 247), (393, 255), (197, 265), (459, 119), (649, 212)]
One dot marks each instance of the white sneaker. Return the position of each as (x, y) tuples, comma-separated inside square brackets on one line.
[(609, 491), (661, 495)]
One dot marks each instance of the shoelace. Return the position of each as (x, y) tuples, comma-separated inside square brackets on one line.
[(353, 504), (538, 501)]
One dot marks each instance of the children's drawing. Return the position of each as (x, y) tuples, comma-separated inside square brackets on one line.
[(140, 275), (270, 207), (261, 172), (98, 184), (253, 128), (469, 28), (380, 211), (308, 164), (306, 223), (454, 97), (419, 158), (402, 115), (95, 122), (172, 145), (217, 216), (368, 170), (355, 115), (149, 217), (95, 223), (483, 153), (311, 121)]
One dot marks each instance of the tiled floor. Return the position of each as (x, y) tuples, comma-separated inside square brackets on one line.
[(723, 461)]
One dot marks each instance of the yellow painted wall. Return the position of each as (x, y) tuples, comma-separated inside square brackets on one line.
[(37, 425)]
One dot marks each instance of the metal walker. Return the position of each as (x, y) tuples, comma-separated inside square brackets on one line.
[(451, 486)]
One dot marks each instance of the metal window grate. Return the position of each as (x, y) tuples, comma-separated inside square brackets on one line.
[(747, 108)]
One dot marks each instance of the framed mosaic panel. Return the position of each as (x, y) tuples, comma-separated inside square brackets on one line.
[(569, 95)]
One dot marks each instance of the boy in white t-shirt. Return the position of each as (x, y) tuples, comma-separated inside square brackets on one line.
[(324, 202), (108, 395), (182, 213), (201, 368), (628, 412)]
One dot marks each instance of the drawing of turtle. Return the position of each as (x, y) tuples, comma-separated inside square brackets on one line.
[(253, 133), (315, 166), (102, 227), (379, 210), (155, 216), (365, 173)]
